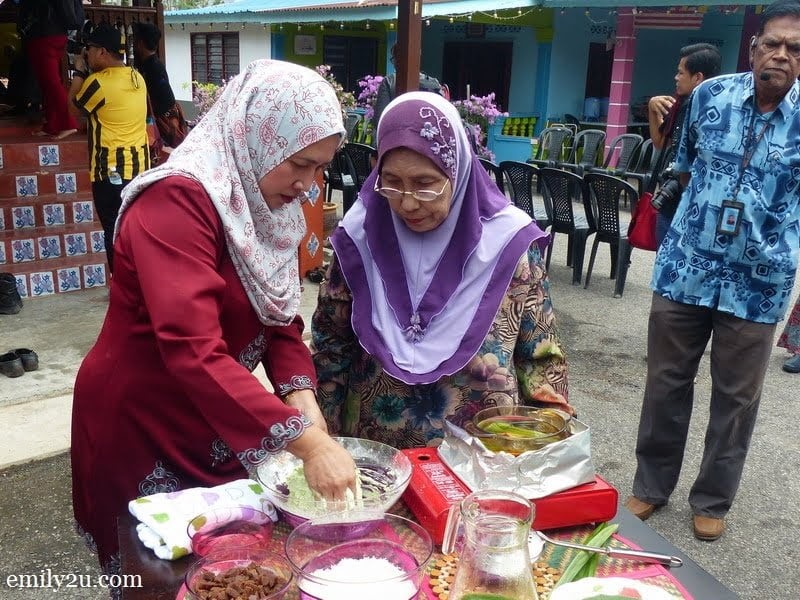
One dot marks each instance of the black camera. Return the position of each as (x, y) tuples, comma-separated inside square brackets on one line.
[(669, 193), (77, 38), (74, 46)]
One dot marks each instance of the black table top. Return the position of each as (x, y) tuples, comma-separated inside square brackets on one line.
[(161, 579), (697, 581)]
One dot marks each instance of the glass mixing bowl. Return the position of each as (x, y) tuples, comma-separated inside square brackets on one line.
[(382, 557), (384, 472)]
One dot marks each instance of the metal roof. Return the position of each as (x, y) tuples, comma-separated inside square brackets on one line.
[(277, 11), (252, 6)]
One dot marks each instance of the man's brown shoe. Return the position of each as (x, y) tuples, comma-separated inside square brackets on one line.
[(640, 508), (708, 529)]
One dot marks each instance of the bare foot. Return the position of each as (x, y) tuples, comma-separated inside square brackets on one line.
[(62, 134)]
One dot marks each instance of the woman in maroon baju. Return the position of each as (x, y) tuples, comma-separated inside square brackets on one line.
[(205, 287)]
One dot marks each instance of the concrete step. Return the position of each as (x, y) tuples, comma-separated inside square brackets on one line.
[(49, 238), (21, 126), (35, 430), (22, 184), (46, 230), (62, 275), (52, 243), (20, 152), (45, 210), (48, 242)]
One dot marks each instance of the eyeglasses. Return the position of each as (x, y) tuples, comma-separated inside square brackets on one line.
[(769, 45), (421, 195)]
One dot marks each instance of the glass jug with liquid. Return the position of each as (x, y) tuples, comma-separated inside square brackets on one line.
[(489, 532)]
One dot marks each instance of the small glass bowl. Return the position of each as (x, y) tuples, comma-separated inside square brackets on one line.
[(384, 556), (519, 428), (229, 527), (271, 573)]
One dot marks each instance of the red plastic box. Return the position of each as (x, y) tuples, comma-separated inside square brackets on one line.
[(434, 488)]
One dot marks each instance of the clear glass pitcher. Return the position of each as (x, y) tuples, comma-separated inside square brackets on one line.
[(489, 532)]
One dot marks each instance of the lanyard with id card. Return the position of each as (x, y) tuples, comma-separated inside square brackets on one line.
[(732, 210), (730, 217)]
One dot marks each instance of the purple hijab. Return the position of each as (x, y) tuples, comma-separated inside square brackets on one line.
[(426, 322)]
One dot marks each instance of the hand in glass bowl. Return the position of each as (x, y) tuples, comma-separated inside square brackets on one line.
[(384, 474)]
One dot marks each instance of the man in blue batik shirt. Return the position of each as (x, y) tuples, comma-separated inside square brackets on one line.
[(726, 267)]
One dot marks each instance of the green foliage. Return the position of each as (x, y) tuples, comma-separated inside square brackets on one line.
[(204, 95), (184, 4)]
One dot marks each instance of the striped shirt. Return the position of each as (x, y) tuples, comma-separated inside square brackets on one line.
[(115, 102)]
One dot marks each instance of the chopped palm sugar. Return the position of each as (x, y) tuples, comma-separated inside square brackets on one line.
[(251, 582)]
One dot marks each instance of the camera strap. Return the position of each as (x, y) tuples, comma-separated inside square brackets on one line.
[(672, 127), (661, 162)]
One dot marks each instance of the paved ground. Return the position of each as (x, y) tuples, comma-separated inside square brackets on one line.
[(605, 337)]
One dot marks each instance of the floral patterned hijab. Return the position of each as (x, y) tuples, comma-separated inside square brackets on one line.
[(263, 116), (424, 302)]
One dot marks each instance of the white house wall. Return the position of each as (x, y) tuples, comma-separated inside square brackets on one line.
[(179, 63), (254, 43)]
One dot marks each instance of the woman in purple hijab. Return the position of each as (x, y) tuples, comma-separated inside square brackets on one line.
[(436, 304)]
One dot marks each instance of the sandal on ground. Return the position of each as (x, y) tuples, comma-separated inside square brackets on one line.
[(29, 358), (11, 365)]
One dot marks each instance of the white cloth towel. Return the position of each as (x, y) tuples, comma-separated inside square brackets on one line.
[(165, 517)]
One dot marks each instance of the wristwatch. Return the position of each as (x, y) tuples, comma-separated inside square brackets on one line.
[(81, 74)]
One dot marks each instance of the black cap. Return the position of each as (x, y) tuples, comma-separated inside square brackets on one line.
[(108, 37)]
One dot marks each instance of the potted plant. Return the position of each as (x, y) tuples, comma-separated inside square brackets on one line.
[(346, 99), (478, 112)]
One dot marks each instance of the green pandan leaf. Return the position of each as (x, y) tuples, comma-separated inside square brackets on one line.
[(508, 429), (257, 489), (161, 517)]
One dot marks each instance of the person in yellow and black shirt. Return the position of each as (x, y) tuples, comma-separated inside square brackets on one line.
[(113, 97)]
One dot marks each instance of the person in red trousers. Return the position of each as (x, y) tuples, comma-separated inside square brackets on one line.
[(42, 26)]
